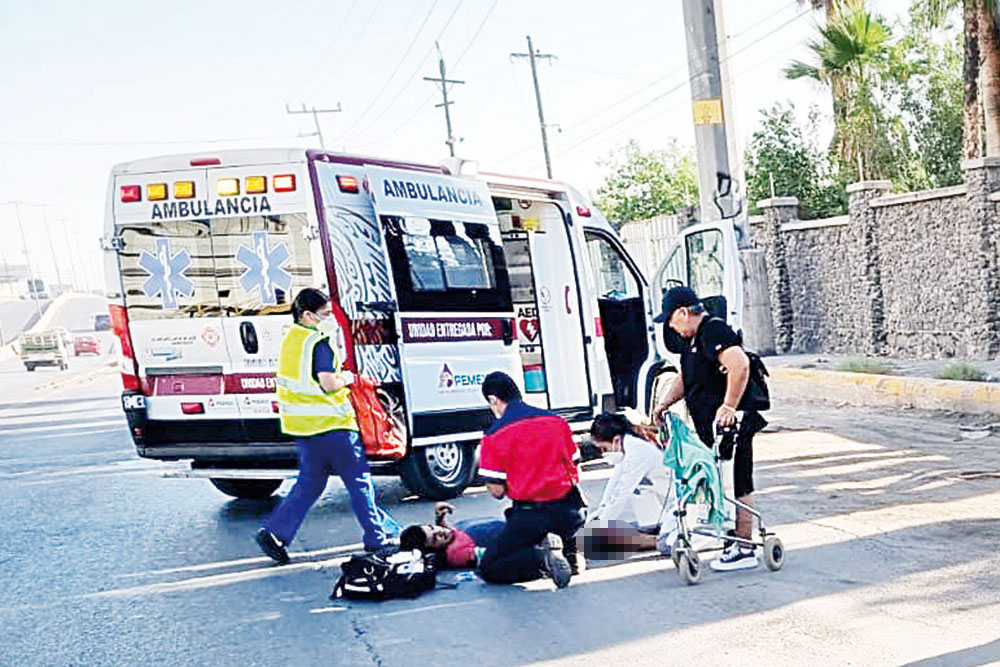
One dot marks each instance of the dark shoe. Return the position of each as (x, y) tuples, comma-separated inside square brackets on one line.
[(272, 546), (554, 562)]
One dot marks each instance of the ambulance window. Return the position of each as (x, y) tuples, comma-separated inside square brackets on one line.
[(673, 271), (612, 274), (168, 270), (262, 262), (436, 260), (705, 268)]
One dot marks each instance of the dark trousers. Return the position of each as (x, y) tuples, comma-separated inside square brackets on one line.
[(514, 557), (338, 453)]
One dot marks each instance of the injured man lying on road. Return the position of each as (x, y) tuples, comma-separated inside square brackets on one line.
[(458, 546)]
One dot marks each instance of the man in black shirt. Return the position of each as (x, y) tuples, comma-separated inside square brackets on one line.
[(713, 378)]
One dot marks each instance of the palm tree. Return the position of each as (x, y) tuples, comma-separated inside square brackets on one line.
[(982, 71), (850, 54)]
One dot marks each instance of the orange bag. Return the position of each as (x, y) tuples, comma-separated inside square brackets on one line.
[(377, 427)]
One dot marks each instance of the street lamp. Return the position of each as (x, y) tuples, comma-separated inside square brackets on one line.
[(24, 245), (52, 250)]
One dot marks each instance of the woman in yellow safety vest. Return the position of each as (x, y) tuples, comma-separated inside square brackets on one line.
[(314, 404)]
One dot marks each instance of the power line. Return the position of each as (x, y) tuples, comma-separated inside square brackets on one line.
[(333, 41), (315, 114), (412, 77), (402, 60), (423, 104), (659, 80)]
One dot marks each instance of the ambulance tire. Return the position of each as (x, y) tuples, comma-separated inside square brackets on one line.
[(248, 489), (30, 367), (439, 472)]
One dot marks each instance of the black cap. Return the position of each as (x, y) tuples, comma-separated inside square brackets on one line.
[(676, 297)]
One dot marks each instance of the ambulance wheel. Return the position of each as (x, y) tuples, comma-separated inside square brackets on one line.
[(251, 489), (30, 367), (439, 472)]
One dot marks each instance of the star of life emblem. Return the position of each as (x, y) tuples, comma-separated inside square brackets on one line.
[(166, 274), (264, 271)]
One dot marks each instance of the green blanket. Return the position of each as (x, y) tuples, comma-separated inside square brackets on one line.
[(693, 462)]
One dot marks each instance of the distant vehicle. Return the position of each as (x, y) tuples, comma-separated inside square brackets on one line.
[(86, 344), (43, 349), (36, 289), (102, 322)]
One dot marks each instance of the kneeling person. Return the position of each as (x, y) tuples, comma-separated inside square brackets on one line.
[(529, 455)]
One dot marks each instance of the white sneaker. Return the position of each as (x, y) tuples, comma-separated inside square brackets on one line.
[(736, 557)]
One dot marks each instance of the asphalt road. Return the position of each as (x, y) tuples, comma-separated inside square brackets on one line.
[(891, 521)]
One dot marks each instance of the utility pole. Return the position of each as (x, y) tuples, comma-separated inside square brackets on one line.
[(315, 114), (532, 56), (716, 181), (27, 257), (77, 286), (444, 81), (52, 250)]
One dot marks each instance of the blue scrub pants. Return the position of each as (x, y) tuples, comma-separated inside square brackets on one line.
[(338, 453)]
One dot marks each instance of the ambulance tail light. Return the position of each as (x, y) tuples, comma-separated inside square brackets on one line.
[(274, 407), (348, 184), (131, 193), (205, 162), (583, 211), (119, 326), (193, 408), (283, 183)]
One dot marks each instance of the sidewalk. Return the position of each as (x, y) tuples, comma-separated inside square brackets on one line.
[(911, 384)]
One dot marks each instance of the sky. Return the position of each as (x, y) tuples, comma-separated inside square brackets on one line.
[(89, 84)]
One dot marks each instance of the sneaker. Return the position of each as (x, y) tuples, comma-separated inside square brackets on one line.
[(554, 562), (389, 547), (665, 542), (272, 546), (735, 557)]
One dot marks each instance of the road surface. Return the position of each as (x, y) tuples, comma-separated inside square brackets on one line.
[(891, 521)]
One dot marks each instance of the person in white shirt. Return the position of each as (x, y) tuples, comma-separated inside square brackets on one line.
[(639, 485)]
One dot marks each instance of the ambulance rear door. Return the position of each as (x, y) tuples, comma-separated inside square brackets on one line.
[(263, 240), (452, 296), (168, 271)]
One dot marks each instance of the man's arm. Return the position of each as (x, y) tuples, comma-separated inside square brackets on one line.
[(441, 512), (737, 365), (674, 393), (497, 489)]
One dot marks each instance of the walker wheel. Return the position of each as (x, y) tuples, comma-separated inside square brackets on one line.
[(774, 554), (690, 568), (680, 544)]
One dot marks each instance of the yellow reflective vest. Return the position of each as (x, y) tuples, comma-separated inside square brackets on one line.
[(304, 407)]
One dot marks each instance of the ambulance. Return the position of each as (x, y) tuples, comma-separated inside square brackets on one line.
[(438, 275)]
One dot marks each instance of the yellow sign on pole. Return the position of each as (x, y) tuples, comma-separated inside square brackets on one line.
[(708, 112)]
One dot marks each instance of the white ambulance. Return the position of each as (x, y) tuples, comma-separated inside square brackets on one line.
[(437, 279)]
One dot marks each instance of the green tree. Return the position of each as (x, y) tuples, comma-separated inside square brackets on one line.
[(642, 184), (784, 152), (852, 55)]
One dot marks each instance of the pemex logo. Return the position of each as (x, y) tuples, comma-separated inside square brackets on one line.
[(446, 380)]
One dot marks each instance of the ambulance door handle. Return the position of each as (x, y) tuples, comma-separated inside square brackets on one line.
[(248, 335), (507, 331)]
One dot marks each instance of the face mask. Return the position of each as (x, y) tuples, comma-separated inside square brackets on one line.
[(328, 325), (614, 458)]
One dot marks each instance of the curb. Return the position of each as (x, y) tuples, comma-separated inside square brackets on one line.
[(868, 390), (78, 379)]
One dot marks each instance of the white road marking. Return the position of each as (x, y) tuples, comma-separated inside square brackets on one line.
[(432, 607), (327, 610), (257, 560)]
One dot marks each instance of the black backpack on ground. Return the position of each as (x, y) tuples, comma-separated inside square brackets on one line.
[(405, 574)]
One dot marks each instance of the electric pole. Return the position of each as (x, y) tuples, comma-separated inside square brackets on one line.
[(716, 180), (532, 56), (444, 81), (315, 114), (77, 285), (52, 250), (27, 257)]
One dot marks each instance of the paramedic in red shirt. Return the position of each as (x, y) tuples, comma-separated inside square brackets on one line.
[(529, 455)]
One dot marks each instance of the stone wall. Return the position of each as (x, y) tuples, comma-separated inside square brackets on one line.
[(914, 274)]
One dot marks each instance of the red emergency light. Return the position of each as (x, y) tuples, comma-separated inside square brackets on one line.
[(131, 193), (348, 184), (583, 211), (283, 183), (193, 408)]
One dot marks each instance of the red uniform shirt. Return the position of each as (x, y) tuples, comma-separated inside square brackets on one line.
[(532, 451)]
